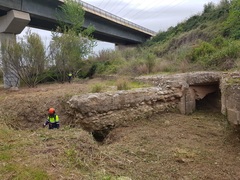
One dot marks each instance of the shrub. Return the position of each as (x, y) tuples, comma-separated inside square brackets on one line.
[(204, 50), (219, 42), (150, 62), (163, 65), (123, 84), (97, 88)]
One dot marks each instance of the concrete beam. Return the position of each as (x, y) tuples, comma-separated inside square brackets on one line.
[(14, 22)]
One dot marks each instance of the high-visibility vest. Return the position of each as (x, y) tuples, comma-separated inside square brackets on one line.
[(53, 119)]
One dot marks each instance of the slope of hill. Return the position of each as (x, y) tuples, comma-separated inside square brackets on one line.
[(206, 41), (209, 40)]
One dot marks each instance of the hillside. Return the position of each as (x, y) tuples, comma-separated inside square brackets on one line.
[(209, 40), (164, 146)]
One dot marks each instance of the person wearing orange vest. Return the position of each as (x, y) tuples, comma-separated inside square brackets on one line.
[(52, 120)]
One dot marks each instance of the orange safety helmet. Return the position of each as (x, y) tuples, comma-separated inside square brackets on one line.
[(51, 111)]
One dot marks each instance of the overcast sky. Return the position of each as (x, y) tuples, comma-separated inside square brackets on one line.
[(156, 15)]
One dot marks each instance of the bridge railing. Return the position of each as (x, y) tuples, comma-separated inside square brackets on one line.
[(115, 18)]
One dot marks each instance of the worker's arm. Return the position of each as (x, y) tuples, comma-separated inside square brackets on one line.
[(46, 123)]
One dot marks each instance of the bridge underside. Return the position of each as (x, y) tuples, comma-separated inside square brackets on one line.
[(43, 16)]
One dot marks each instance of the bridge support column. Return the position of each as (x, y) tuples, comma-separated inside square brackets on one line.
[(11, 24), (10, 77)]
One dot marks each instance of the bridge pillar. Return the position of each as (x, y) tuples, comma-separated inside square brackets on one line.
[(11, 24), (10, 77)]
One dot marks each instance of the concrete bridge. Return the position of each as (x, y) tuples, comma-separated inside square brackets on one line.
[(41, 14), (15, 15)]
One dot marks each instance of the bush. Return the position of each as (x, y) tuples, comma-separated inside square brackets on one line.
[(204, 50), (219, 42), (122, 84), (97, 88)]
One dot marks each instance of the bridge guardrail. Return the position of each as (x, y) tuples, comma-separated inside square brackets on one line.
[(118, 19)]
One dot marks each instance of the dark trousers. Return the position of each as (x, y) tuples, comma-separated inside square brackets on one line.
[(69, 78), (53, 126)]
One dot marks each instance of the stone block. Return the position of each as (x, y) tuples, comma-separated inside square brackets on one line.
[(233, 116)]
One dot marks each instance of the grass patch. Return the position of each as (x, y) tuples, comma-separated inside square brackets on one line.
[(17, 172), (97, 88), (126, 84), (123, 84)]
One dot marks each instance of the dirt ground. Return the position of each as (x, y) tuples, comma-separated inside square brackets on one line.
[(164, 146)]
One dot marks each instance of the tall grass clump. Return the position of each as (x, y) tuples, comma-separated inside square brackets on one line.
[(123, 84), (97, 88)]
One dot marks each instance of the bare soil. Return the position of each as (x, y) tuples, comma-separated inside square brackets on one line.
[(164, 146)]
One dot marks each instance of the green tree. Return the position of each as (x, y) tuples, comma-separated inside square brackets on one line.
[(25, 58), (233, 23), (71, 42)]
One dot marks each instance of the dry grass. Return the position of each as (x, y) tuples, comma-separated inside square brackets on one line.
[(165, 146)]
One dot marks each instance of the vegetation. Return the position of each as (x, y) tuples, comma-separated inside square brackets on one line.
[(25, 59), (166, 146), (71, 43), (205, 41), (28, 60)]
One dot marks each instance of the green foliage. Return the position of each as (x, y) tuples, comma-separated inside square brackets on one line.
[(71, 17), (5, 156), (203, 50), (219, 42), (195, 44), (122, 84), (109, 62), (71, 43), (218, 54), (74, 160), (150, 62), (91, 71), (26, 58), (16, 172), (211, 13), (136, 84), (97, 88), (233, 24)]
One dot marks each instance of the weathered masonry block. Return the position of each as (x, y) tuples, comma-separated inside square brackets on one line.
[(181, 92), (112, 109), (230, 87), (194, 86)]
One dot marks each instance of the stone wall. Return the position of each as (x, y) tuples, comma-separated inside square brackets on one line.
[(230, 87), (195, 85), (99, 111), (96, 111)]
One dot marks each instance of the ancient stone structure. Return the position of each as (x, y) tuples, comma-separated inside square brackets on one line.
[(194, 86), (179, 92), (230, 86), (112, 109)]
